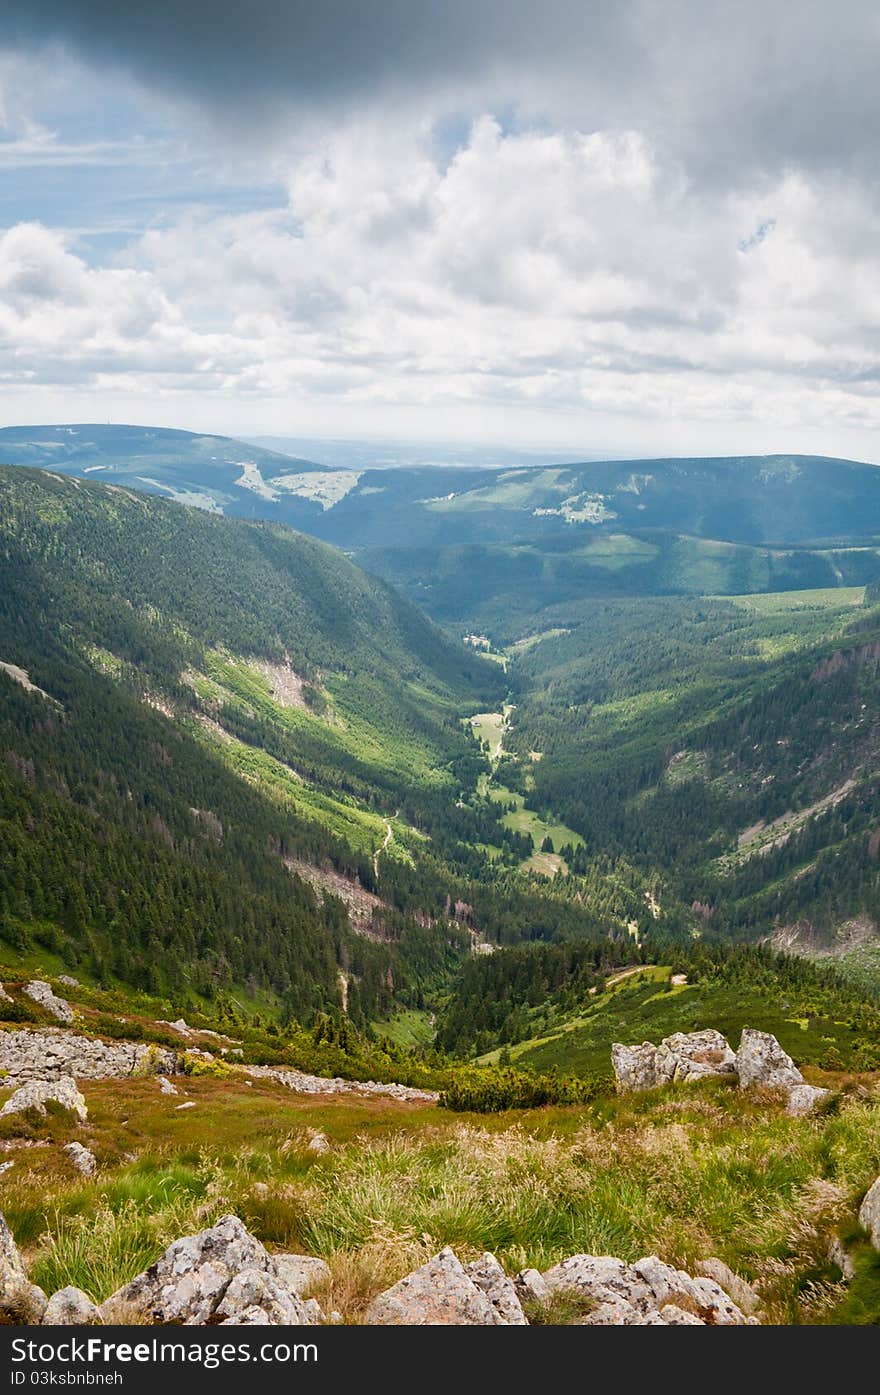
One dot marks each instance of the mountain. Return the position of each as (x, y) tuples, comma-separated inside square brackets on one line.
[(489, 549), (198, 716)]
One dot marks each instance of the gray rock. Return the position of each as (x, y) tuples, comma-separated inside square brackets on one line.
[(678, 1317), (531, 1286), (45, 1053), (304, 1084), (318, 1143), (837, 1254), (684, 1056), (187, 1104), (674, 1286), (257, 1288), (189, 1279), (314, 1312), (760, 1060), (82, 1158), (301, 1274), (68, 981), (22, 1303), (4, 996), (742, 1293), (37, 1093), (165, 1086), (612, 1312), (869, 1213), (70, 1307), (42, 994), (601, 1277), (804, 1098), (438, 1294), (488, 1276)]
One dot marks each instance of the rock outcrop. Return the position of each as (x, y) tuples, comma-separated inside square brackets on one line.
[(70, 1307), (684, 1056), (742, 1293), (44, 1054), (689, 1056), (41, 993), (304, 1084), (648, 1292), (21, 1302), (869, 1213), (440, 1293), (82, 1158), (222, 1274), (760, 1060), (36, 1094)]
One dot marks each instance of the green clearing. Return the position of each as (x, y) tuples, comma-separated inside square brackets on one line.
[(523, 820), (640, 1010), (408, 1027)]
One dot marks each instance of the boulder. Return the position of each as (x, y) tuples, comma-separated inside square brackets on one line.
[(869, 1213), (839, 1255), (165, 1086), (70, 1307), (4, 996), (82, 1158), (684, 1056), (760, 1060), (491, 1279), (258, 1289), (42, 994), (301, 1274), (438, 1294), (36, 1094), (742, 1293), (318, 1143), (802, 1099), (68, 981), (22, 1304), (186, 1283), (678, 1317)]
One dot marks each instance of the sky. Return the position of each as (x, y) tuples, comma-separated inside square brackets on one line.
[(613, 227)]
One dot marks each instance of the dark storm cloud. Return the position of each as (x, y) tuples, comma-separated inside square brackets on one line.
[(725, 87)]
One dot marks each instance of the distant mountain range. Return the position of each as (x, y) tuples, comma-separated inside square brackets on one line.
[(490, 547)]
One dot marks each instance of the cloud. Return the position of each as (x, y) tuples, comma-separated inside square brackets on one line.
[(725, 90)]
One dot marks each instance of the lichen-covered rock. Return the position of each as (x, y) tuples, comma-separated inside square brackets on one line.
[(22, 1303), (760, 1060), (82, 1158), (869, 1213), (488, 1276), (802, 1099), (257, 1289), (531, 1286), (742, 1293), (301, 1274), (639, 1294), (47, 1052), (438, 1294), (684, 1056), (601, 1277), (304, 1084), (70, 1307), (186, 1283), (668, 1285), (42, 994), (36, 1094)]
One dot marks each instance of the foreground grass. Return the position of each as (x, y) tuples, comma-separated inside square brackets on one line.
[(685, 1172)]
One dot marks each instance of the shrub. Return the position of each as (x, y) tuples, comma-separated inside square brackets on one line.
[(489, 1089)]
